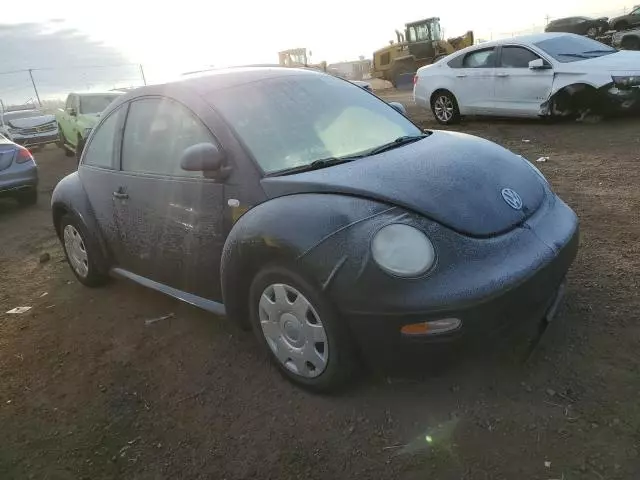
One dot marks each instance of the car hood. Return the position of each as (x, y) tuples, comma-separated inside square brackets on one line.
[(31, 122), (452, 178), (622, 61)]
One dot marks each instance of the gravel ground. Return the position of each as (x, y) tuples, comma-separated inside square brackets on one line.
[(88, 390)]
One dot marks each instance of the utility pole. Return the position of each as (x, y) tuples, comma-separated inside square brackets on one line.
[(144, 80), (34, 87), (547, 18)]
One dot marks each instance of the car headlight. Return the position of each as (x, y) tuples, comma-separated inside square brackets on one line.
[(402, 250), (626, 81)]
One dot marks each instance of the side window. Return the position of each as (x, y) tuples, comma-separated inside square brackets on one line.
[(156, 133), (480, 59), (101, 147), (516, 57), (69, 104)]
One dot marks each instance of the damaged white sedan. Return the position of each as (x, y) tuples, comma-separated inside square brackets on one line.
[(549, 74)]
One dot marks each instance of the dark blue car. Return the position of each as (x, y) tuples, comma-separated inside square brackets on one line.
[(302, 206)]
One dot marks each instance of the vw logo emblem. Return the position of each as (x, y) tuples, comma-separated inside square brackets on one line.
[(512, 198)]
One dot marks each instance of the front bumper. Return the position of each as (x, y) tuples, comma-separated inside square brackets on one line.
[(36, 140), (491, 285), (622, 100)]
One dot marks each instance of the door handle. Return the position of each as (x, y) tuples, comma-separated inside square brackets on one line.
[(502, 74), (461, 75), (120, 195)]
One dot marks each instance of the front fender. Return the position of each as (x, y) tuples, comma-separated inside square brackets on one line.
[(305, 231), (69, 197)]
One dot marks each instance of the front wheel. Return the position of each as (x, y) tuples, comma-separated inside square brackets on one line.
[(79, 148), (445, 108), (62, 143), (300, 329)]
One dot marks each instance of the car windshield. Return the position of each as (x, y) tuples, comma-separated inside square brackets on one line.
[(8, 116), (289, 122), (95, 103), (573, 48)]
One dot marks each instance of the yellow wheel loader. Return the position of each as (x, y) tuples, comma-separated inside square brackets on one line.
[(299, 57), (421, 44)]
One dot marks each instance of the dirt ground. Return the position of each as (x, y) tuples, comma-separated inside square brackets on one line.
[(88, 390)]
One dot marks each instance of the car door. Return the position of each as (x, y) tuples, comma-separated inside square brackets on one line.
[(474, 82), (99, 175), (173, 226), (520, 90)]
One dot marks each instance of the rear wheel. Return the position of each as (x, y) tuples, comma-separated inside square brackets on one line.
[(80, 252), (630, 43), (620, 25), (300, 329), (445, 108)]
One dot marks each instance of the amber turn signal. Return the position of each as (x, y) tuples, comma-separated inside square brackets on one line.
[(434, 327)]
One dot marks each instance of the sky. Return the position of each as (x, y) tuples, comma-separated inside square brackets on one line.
[(62, 39)]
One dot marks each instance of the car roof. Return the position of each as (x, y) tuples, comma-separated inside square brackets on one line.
[(522, 39), (93, 94), (216, 79), (526, 39)]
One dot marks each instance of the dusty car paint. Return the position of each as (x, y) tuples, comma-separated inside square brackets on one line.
[(321, 222)]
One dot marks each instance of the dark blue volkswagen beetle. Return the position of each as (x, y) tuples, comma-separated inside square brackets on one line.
[(303, 206)]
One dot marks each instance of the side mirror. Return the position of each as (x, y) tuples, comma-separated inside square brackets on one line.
[(206, 158), (399, 107), (537, 64), (73, 112)]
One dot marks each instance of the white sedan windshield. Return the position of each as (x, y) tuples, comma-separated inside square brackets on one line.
[(573, 48), (291, 121)]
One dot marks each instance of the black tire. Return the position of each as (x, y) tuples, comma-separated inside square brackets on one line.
[(79, 148), (620, 25), (28, 198), (630, 43), (62, 143), (94, 277), (440, 101), (341, 363)]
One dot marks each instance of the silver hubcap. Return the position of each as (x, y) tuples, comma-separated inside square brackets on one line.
[(76, 251), (443, 108), (293, 330)]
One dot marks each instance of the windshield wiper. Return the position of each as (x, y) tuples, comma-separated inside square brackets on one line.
[(577, 55), (317, 164), (600, 51), (398, 142)]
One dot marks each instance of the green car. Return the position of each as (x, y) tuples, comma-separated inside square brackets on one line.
[(80, 114)]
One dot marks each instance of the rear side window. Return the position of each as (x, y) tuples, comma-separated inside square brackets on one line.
[(157, 131), (100, 150), (480, 59), (516, 57)]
